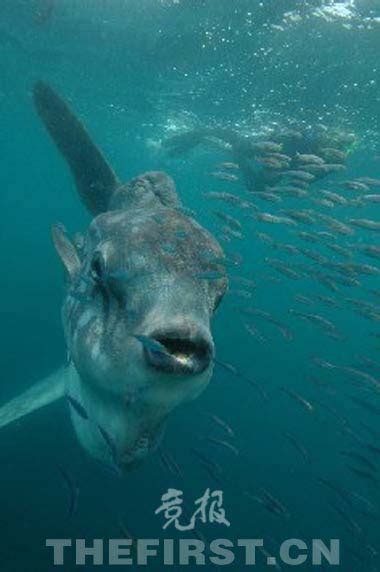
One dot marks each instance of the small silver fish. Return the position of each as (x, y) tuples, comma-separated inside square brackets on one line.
[(365, 223)]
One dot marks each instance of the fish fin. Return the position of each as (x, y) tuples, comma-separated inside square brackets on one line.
[(44, 392), (66, 250), (94, 178)]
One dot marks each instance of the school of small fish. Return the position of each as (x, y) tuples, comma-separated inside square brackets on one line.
[(318, 237)]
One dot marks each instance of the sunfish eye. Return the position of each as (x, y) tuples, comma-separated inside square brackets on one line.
[(98, 275), (97, 268)]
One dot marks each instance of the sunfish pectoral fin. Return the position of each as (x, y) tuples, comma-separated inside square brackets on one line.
[(42, 393), (94, 178), (66, 250)]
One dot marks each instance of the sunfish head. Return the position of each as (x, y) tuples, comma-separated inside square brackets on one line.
[(137, 324)]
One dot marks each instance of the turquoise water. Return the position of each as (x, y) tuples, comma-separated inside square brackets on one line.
[(138, 73)]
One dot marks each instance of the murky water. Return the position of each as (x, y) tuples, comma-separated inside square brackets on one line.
[(266, 115)]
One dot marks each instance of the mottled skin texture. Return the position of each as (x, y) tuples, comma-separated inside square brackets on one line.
[(143, 269), (139, 273)]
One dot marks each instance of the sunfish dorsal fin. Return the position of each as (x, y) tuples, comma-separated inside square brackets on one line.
[(94, 178)]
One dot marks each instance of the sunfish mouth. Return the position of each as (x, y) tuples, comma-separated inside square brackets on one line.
[(184, 353)]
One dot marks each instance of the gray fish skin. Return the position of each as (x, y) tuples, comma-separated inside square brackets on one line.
[(124, 283), (80, 410)]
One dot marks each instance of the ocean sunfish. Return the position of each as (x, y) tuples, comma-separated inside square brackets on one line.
[(127, 295)]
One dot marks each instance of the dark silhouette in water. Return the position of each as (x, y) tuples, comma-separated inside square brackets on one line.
[(264, 163)]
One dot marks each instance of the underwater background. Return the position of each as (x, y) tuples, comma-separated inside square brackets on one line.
[(139, 72)]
